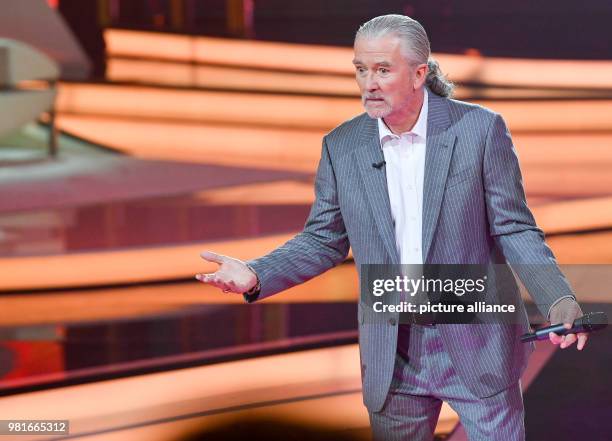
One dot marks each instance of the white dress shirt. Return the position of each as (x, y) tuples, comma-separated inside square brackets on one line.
[(405, 167)]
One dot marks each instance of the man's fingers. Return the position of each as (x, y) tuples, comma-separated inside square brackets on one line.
[(210, 279), (582, 339), (569, 340), (212, 257), (204, 278), (229, 286), (554, 338), (214, 280)]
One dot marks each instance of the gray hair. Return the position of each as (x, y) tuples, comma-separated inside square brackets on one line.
[(415, 43)]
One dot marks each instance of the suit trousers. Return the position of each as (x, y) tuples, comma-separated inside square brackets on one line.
[(423, 378)]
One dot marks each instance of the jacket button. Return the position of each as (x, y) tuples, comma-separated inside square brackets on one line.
[(392, 321)]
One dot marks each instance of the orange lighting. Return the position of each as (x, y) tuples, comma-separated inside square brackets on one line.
[(220, 144), (313, 112), (550, 162), (337, 285), (179, 74), (203, 106), (581, 74), (320, 386), (575, 215), (123, 266), (592, 248), (268, 193), (190, 75), (553, 115), (262, 54)]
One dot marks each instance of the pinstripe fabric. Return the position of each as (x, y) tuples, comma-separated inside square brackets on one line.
[(474, 211), (425, 377)]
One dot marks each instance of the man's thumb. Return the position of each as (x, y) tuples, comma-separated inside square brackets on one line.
[(212, 257)]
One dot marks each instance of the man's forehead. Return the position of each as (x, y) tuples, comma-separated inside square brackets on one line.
[(377, 50), (378, 56)]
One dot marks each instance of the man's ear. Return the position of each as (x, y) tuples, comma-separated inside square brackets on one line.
[(420, 75)]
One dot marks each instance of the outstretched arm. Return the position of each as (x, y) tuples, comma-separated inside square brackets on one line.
[(322, 244)]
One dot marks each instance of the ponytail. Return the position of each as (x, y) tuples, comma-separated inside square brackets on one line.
[(437, 81)]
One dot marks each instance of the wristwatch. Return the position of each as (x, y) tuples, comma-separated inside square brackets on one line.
[(257, 287)]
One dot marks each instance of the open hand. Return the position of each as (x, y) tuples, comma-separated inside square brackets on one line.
[(232, 275)]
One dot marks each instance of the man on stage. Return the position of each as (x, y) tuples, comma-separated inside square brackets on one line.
[(420, 179)]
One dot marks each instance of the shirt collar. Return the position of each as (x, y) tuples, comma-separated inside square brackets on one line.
[(419, 129)]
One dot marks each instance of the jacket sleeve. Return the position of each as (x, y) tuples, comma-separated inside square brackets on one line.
[(322, 244), (512, 224)]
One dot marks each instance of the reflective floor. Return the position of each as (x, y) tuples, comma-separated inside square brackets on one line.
[(143, 223), (38, 356)]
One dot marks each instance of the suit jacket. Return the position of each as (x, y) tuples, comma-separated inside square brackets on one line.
[(474, 210)]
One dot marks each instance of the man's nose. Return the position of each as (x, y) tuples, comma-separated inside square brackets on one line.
[(371, 83)]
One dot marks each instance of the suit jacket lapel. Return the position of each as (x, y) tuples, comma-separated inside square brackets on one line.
[(375, 181), (438, 153)]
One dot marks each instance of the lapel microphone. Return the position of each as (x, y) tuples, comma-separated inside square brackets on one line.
[(378, 165), (593, 321)]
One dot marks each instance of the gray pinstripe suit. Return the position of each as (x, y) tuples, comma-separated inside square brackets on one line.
[(474, 208)]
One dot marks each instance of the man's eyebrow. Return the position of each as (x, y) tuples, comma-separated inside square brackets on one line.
[(382, 63)]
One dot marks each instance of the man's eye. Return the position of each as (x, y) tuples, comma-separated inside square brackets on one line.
[(360, 70), (383, 70)]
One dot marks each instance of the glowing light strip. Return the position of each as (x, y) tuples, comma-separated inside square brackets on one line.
[(178, 74), (182, 75), (187, 75), (300, 111), (582, 74), (543, 157), (337, 285), (123, 266), (328, 376), (592, 248), (575, 215), (192, 105), (269, 55), (267, 148)]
